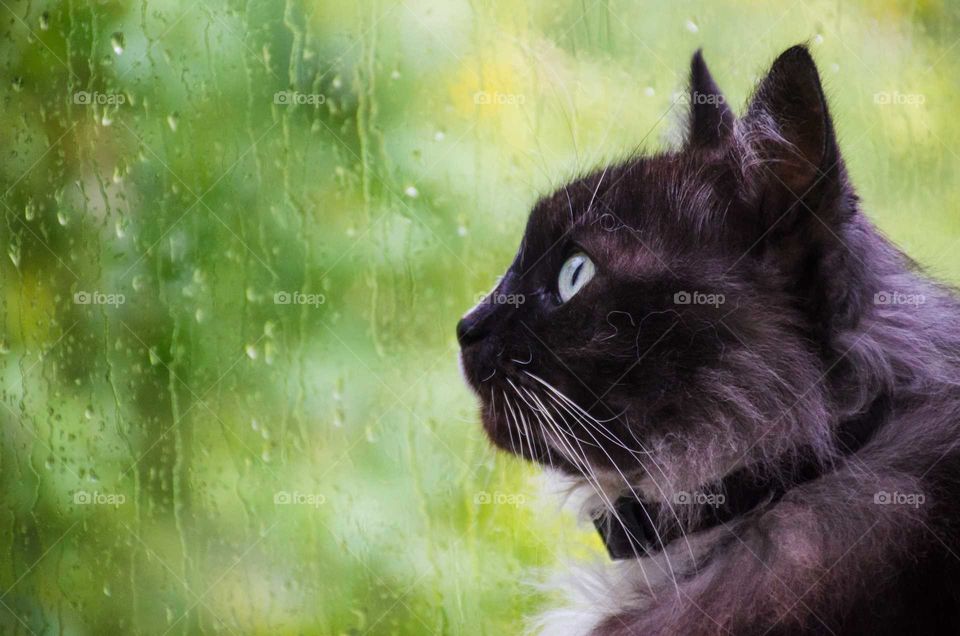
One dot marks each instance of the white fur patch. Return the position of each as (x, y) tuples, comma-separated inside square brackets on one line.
[(589, 593)]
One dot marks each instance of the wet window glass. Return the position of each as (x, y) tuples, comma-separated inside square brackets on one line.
[(236, 240)]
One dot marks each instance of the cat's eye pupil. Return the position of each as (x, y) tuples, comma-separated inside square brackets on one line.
[(576, 272)]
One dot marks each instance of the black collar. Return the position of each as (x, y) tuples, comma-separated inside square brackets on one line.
[(642, 529)]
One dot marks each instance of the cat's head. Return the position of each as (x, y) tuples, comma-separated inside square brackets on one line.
[(676, 313)]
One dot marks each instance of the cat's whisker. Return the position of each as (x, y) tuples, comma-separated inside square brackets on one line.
[(516, 423), (593, 480), (545, 431), (656, 484), (546, 445), (525, 423), (591, 421), (527, 361), (596, 189), (607, 433), (630, 487), (590, 475), (597, 425), (513, 446)]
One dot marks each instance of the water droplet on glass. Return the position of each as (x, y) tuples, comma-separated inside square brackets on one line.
[(30, 212), (649, 91), (818, 39), (106, 591), (270, 329), (61, 218), (4, 347), (116, 41), (269, 353), (462, 230), (199, 315), (119, 229), (172, 120), (154, 356), (692, 26), (88, 412), (138, 282), (17, 84), (412, 192), (337, 82), (251, 351), (50, 463), (439, 136), (44, 21), (395, 74)]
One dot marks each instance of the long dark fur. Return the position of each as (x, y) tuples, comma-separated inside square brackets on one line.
[(823, 322)]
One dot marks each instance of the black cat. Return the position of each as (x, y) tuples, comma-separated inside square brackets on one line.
[(761, 392)]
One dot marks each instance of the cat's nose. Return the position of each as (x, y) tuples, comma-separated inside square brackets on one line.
[(471, 329)]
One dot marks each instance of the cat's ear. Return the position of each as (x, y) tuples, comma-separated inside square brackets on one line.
[(790, 133), (799, 187), (711, 120)]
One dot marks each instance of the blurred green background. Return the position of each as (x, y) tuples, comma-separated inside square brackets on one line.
[(237, 236)]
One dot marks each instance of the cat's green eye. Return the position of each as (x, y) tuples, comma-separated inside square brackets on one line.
[(575, 273)]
